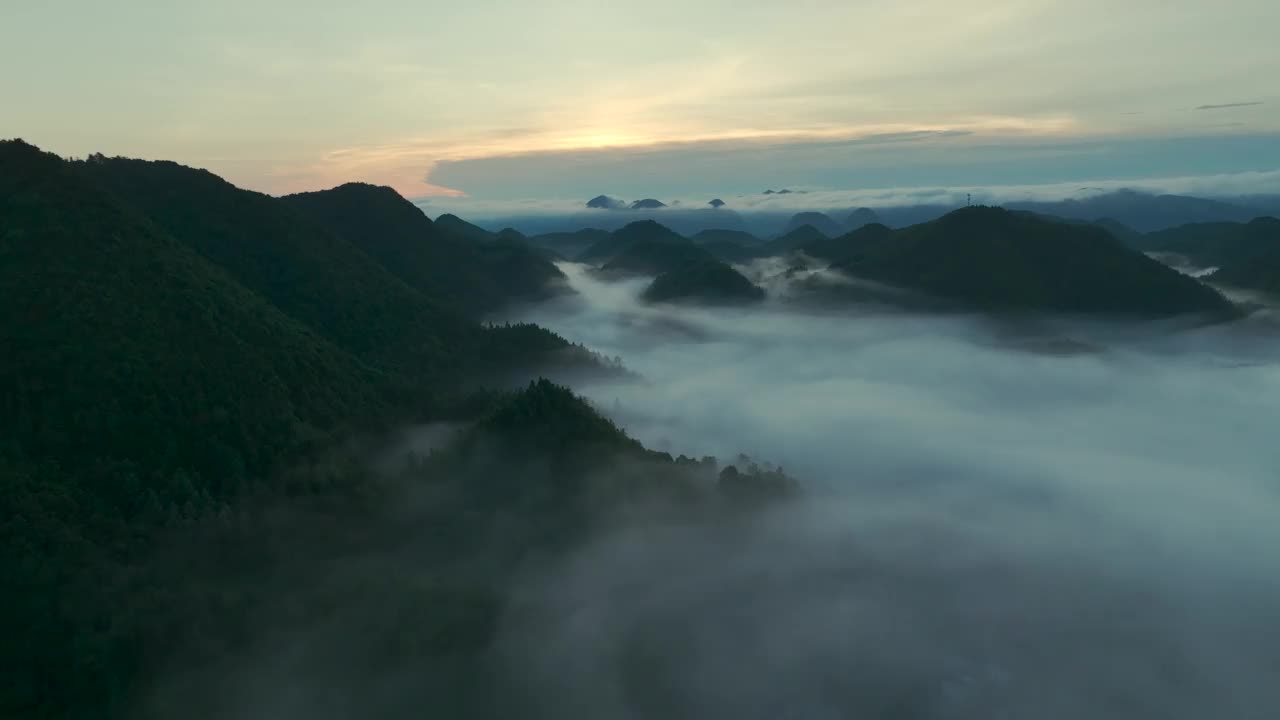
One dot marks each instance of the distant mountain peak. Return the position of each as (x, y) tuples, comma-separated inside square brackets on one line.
[(860, 217), (717, 203), (647, 204), (604, 202), (821, 222)]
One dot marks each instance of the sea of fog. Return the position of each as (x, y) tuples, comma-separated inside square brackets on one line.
[(1033, 520)]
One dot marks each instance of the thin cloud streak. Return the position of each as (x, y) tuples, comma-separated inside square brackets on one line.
[(1225, 106)]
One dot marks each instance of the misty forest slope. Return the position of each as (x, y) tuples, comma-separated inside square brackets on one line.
[(710, 282), (997, 260), (1256, 266), (183, 364), (142, 385), (1247, 255), (1216, 243)]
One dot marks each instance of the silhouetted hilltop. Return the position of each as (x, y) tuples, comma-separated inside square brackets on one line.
[(729, 245), (861, 216), (793, 240), (132, 344), (569, 244), (610, 247), (459, 228), (1254, 261), (474, 275), (652, 257), (647, 204), (822, 222), (604, 202), (994, 259), (1216, 244), (706, 282), (269, 247), (844, 247)]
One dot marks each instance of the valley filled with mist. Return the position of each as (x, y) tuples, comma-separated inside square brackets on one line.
[(990, 526)]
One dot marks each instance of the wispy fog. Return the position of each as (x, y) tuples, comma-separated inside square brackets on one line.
[(1062, 521)]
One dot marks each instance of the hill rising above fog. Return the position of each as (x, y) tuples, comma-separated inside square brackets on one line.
[(999, 260), (708, 282), (475, 272)]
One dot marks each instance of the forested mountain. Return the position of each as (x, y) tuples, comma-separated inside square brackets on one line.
[(994, 259), (653, 257), (1252, 261), (475, 275), (708, 282), (646, 231), (821, 222), (569, 244), (860, 217), (738, 237), (309, 273), (794, 239), (174, 350), (843, 247), (1218, 243), (462, 229)]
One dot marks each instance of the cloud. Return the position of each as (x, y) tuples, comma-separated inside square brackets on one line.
[(1224, 106), (841, 201), (989, 531)]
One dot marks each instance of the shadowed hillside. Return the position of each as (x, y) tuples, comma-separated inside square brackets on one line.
[(709, 282), (995, 259), (475, 276)]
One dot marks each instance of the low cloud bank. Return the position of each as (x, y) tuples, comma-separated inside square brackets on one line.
[(1233, 185), (989, 531)]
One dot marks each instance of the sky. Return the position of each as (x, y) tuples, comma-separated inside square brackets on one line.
[(506, 99)]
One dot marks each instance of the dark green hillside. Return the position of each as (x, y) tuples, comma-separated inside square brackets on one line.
[(474, 277), (306, 271), (838, 249), (1255, 262), (190, 415), (648, 231), (141, 386), (730, 251), (739, 237), (538, 472), (1217, 244), (461, 229), (124, 343), (653, 258), (994, 259), (145, 389), (706, 282), (568, 244), (1120, 231), (821, 222), (310, 273), (793, 240)]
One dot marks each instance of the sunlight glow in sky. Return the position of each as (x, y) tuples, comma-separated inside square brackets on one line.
[(288, 95)]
